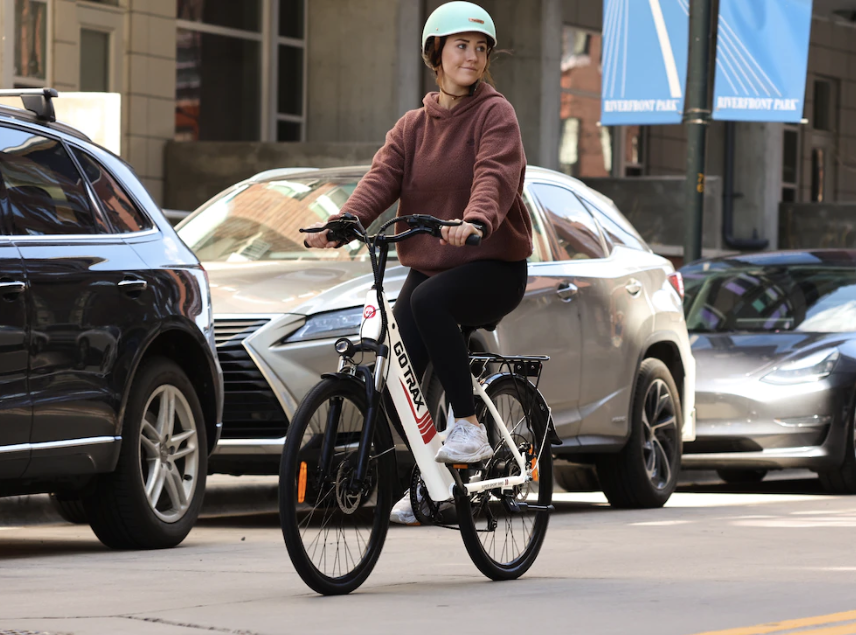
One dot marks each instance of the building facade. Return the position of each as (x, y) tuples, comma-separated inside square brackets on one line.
[(214, 90)]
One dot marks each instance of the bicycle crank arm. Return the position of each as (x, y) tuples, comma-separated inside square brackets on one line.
[(518, 507)]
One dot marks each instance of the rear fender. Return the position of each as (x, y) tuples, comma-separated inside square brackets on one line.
[(540, 403)]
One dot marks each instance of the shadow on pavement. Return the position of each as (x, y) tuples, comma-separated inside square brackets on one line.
[(17, 548)]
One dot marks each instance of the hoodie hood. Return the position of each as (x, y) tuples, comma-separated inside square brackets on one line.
[(484, 92)]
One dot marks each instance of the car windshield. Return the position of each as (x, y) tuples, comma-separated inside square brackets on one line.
[(807, 298), (260, 221)]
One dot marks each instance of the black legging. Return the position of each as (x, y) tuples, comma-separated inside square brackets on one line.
[(429, 310)]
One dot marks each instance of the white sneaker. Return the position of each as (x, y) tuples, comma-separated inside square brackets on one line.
[(402, 511), (465, 443)]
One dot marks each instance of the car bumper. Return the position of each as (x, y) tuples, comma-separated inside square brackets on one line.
[(263, 374), (772, 427)]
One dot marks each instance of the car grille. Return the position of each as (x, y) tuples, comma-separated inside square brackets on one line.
[(250, 408)]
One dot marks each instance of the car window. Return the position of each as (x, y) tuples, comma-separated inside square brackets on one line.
[(617, 228), (752, 298), (576, 231), (540, 242), (121, 211), (260, 221), (45, 194)]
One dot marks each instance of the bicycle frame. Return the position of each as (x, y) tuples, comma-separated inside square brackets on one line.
[(396, 374)]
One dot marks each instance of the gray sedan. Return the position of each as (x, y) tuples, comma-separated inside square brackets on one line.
[(603, 307), (774, 336)]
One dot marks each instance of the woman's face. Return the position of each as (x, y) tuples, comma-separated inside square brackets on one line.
[(463, 59)]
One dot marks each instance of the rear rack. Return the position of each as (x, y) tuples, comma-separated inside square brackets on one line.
[(36, 100)]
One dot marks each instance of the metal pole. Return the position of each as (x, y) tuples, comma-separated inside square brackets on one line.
[(696, 116)]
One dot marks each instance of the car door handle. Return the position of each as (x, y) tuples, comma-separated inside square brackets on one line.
[(130, 285), (634, 287), (567, 291), (12, 287)]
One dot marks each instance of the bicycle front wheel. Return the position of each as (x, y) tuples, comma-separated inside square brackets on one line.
[(501, 535), (334, 533)]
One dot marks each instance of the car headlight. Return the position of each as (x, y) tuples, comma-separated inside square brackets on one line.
[(807, 369), (325, 325)]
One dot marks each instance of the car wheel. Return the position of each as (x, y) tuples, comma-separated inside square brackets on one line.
[(645, 473), (152, 499), (70, 508), (735, 476), (575, 478), (843, 480)]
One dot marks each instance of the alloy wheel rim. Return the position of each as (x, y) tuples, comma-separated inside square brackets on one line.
[(169, 453), (660, 427)]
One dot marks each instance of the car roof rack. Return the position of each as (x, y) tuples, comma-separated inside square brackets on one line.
[(36, 100)]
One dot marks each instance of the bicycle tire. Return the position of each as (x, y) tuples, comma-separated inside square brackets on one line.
[(301, 498), (473, 512)]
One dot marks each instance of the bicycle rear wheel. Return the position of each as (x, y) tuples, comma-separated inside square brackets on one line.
[(502, 538), (334, 535)]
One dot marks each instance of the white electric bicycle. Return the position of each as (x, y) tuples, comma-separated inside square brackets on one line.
[(339, 476)]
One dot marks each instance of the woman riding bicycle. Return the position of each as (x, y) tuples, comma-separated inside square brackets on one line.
[(460, 157)]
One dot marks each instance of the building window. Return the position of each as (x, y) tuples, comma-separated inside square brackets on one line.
[(585, 147), (31, 50), (94, 61), (290, 74), (240, 72), (218, 70), (633, 153), (822, 105)]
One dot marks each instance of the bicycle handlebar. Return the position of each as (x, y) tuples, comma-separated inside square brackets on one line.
[(348, 228)]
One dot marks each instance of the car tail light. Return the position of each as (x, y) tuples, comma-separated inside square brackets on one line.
[(677, 282)]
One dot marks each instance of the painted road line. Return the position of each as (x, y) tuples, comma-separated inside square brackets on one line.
[(801, 623)]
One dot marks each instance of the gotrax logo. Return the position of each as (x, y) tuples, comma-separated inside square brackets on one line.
[(414, 395), (369, 312)]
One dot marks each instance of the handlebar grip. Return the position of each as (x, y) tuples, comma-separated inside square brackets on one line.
[(473, 240)]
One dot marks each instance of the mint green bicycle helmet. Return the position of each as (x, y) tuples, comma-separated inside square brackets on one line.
[(458, 17)]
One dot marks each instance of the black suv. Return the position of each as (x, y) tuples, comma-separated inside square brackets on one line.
[(110, 389)]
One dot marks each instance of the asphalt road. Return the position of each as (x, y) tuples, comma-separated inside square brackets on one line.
[(773, 561)]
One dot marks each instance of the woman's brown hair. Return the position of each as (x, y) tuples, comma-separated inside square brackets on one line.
[(433, 57)]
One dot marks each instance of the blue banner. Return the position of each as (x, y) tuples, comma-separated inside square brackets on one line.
[(645, 46), (761, 60)]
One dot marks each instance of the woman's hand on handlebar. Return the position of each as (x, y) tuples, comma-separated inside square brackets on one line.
[(456, 235), (319, 240)]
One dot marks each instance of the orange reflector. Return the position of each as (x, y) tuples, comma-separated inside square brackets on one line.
[(301, 483), (460, 466), (534, 466)]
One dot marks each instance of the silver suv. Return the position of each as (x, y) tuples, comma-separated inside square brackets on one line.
[(603, 307)]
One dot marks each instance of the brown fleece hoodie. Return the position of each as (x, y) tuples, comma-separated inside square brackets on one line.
[(467, 163)]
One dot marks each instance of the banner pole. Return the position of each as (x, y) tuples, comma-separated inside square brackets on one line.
[(696, 116)]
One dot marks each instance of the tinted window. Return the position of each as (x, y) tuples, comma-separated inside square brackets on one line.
[(44, 192), (122, 213), (576, 231), (810, 298)]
